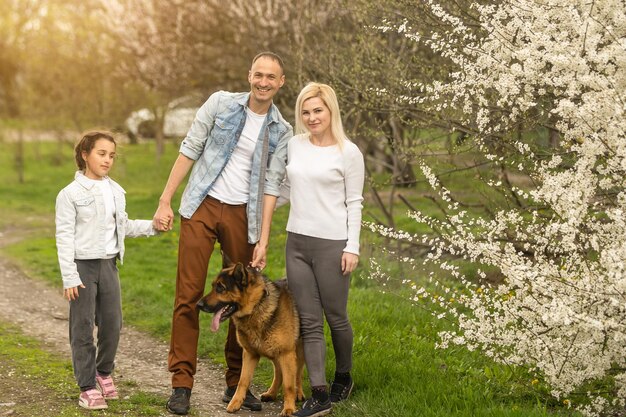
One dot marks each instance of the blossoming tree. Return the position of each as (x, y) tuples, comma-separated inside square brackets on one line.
[(561, 306)]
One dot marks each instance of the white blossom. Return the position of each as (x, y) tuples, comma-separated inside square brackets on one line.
[(561, 308)]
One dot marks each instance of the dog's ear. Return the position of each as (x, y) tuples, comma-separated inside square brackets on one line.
[(226, 262), (241, 275)]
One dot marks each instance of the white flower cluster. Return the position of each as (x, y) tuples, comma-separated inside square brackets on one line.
[(561, 308)]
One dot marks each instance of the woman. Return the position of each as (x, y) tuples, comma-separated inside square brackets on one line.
[(325, 174)]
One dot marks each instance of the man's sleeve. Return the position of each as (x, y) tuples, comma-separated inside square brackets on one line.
[(194, 143)]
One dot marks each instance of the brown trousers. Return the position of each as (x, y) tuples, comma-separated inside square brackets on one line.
[(213, 221)]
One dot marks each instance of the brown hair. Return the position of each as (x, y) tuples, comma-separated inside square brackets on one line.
[(271, 55), (86, 144)]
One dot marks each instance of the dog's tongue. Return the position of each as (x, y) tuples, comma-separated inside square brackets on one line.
[(215, 324)]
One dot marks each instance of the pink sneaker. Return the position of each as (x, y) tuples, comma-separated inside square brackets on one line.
[(92, 400), (106, 386)]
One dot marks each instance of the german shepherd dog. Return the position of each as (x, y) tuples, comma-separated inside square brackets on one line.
[(267, 325)]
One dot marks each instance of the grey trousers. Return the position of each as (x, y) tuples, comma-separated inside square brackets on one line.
[(98, 304), (319, 288)]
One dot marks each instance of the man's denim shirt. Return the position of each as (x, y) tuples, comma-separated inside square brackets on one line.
[(211, 141)]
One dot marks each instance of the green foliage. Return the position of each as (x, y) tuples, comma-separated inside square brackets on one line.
[(398, 371)]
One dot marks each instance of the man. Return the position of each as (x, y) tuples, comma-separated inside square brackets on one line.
[(237, 146)]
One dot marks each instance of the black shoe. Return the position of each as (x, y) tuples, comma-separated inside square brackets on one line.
[(179, 401), (251, 402), (314, 408), (340, 392)]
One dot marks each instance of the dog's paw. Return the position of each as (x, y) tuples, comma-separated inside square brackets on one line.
[(300, 395), (287, 411), (233, 406), (268, 396)]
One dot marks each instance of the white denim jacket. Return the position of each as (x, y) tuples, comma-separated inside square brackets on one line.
[(80, 225)]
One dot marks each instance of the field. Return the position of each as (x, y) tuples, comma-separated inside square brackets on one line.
[(397, 370)]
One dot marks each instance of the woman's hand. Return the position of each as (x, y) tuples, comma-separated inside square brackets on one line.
[(349, 261)]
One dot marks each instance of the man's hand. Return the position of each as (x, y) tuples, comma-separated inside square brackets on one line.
[(163, 219), (258, 256), (349, 261)]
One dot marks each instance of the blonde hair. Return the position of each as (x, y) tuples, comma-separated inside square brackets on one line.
[(328, 96)]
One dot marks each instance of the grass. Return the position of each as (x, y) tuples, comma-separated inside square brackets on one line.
[(31, 374), (398, 371)]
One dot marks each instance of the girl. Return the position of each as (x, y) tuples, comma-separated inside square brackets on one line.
[(91, 223), (325, 173)]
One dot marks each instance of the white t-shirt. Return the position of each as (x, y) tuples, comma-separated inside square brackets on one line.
[(233, 184), (110, 231), (325, 190)]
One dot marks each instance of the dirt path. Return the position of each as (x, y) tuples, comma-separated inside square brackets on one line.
[(41, 312)]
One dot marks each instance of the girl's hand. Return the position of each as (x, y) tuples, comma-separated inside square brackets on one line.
[(349, 261), (71, 293), (163, 219)]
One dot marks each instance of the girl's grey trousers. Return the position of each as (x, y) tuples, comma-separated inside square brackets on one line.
[(98, 304)]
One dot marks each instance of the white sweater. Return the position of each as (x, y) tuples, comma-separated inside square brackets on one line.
[(325, 187)]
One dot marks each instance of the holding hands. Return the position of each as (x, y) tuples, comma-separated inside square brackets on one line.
[(163, 219)]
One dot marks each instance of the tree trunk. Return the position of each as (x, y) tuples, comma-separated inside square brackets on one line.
[(403, 174), (159, 136), (8, 75), (19, 156), (554, 138), (57, 159)]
